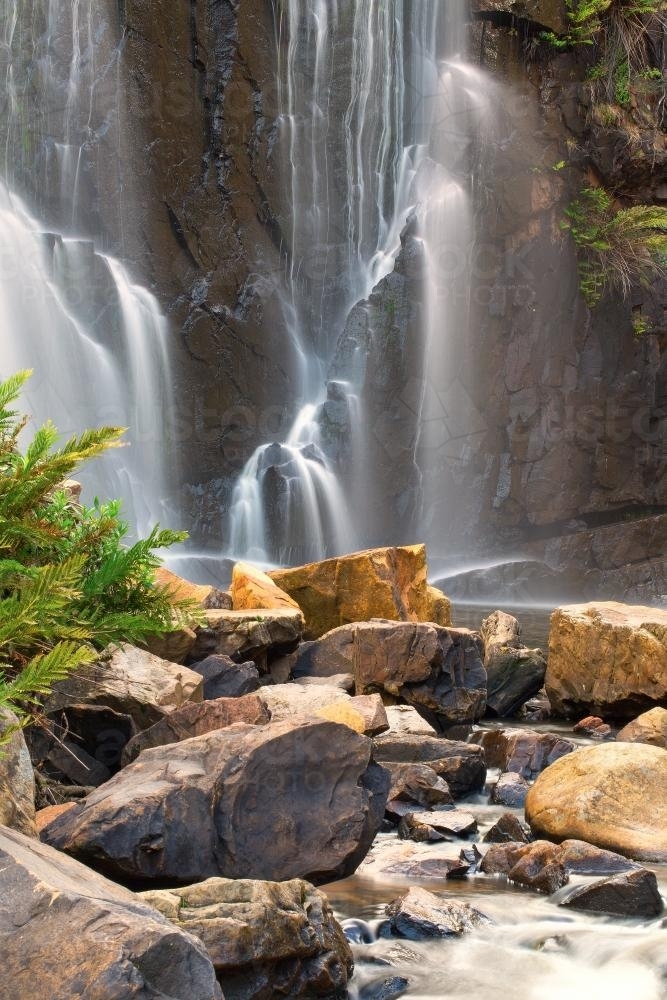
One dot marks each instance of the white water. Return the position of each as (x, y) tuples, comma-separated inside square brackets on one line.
[(396, 144), (96, 340)]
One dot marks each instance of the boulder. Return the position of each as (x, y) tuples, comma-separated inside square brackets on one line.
[(510, 790), (508, 830), (377, 583), (264, 938), (419, 915), (538, 865), (332, 654), (248, 635), (174, 646), (447, 824), (17, 779), (363, 713), (251, 588), (195, 720), (580, 858), (460, 764), (650, 727), (630, 894), (202, 594), (289, 799), (607, 659), (439, 607), (407, 720), (522, 750), (223, 678), (415, 785), (613, 795), (514, 673), (435, 669), (67, 932), (129, 681)]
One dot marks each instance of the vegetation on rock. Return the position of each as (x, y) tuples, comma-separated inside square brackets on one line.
[(617, 248), (68, 584)]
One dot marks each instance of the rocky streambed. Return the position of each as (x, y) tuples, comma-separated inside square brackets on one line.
[(168, 824)]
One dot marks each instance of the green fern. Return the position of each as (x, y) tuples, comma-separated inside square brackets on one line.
[(69, 585)]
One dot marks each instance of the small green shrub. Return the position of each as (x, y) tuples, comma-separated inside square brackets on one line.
[(616, 248), (68, 584)]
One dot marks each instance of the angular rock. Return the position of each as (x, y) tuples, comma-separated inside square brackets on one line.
[(343, 681), (613, 795), (501, 858), (45, 816), (264, 938), (607, 659), (182, 590), (248, 635), (251, 588), (67, 932), (17, 779), (436, 669), (129, 681), (285, 800), (411, 828), (415, 785), (363, 713), (404, 719), (650, 728), (332, 654), (514, 673), (223, 678), (447, 823), (594, 727), (174, 646), (291, 701), (462, 765), (630, 894), (378, 583), (197, 719), (581, 858), (439, 607), (540, 867), (508, 830), (521, 750), (510, 790), (419, 915)]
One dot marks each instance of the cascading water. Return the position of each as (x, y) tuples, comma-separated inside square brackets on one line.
[(96, 341), (378, 113)]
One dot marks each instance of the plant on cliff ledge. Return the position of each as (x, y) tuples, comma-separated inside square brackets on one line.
[(68, 585), (616, 247)]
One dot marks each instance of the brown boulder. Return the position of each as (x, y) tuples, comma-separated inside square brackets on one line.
[(264, 938), (460, 764), (182, 590), (607, 659), (415, 785), (419, 915), (630, 894), (285, 800), (251, 588), (67, 932), (613, 796), (195, 720), (650, 727), (377, 583), (17, 779), (130, 681), (225, 679), (434, 668), (514, 673), (521, 750), (248, 635)]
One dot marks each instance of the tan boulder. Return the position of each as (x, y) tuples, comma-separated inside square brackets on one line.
[(183, 590), (651, 728), (386, 583), (613, 796), (607, 659), (251, 588)]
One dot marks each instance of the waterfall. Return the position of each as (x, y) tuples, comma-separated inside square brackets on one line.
[(97, 341), (377, 112)]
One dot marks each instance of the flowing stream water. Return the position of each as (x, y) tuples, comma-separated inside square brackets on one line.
[(96, 340), (379, 111)]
